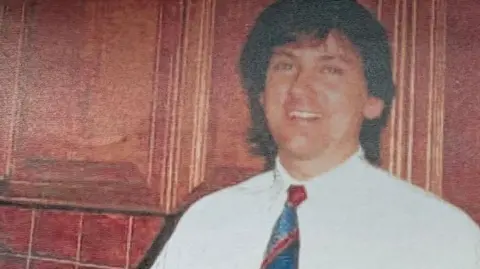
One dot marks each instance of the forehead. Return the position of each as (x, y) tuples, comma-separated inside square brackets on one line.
[(334, 43)]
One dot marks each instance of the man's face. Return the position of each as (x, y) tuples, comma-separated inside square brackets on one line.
[(316, 97)]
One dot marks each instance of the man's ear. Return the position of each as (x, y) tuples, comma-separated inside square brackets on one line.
[(373, 108)]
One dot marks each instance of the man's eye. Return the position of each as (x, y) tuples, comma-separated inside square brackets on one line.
[(333, 70), (282, 66)]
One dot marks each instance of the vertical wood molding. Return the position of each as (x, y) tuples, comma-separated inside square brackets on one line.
[(189, 105), (12, 93), (153, 123), (165, 142), (200, 31), (413, 146), (438, 41)]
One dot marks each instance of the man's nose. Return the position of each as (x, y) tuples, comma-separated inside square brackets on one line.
[(302, 86)]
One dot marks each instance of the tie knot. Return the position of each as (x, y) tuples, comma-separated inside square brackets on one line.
[(296, 195)]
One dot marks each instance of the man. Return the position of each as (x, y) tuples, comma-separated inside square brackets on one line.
[(320, 85)]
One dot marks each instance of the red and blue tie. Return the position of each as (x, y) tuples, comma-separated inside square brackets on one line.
[(283, 247)]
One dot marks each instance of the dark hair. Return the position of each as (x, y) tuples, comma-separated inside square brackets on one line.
[(281, 23)]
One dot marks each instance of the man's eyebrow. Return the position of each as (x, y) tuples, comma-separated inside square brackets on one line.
[(330, 57), (324, 57)]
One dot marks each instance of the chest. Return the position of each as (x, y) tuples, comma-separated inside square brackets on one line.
[(329, 239)]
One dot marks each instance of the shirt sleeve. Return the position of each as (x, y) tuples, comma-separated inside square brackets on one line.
[(176, 247), (469, 254), (476, 264), (178, 252)]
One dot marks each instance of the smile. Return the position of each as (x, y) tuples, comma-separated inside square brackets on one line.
[(305, 115)]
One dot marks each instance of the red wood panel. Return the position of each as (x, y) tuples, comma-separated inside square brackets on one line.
[(12, 262), (53, 85), (12, 29), (408, 139), (64, 227), (230, 115), (15, 230), (420, 80), (89, 86), (462, 121), (95, 76), (144, 231), (50, 265), (59, 239), (412, 144), (104, 239)]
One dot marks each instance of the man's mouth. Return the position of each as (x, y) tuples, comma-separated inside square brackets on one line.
[(304, 115)]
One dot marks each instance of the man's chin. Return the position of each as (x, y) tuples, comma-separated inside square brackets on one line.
[(303, 153)]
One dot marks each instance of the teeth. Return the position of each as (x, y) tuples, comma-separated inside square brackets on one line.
[(304, 115)]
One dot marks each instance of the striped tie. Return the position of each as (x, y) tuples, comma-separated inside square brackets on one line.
[(283, 247)]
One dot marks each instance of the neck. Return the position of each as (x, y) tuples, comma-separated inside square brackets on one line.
[(303, 169)]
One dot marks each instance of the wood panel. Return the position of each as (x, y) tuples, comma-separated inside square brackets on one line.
[(213, 152), (83, 131), (230, 113), (97, 77), (413, 141), (115, 108), (462, 111), (182, 164), (12, 20)]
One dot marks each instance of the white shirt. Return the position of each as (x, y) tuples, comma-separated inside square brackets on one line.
[(355, 217)]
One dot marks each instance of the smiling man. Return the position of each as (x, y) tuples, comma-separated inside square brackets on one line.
[(318, 77), (316, 99)]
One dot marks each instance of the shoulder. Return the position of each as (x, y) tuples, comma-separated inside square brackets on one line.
[(221, 202), (403, 191), (203, 221), (421, 206), (427, 219), (404, 188)]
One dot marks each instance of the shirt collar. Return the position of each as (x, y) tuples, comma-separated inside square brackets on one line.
[(342, 171)]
